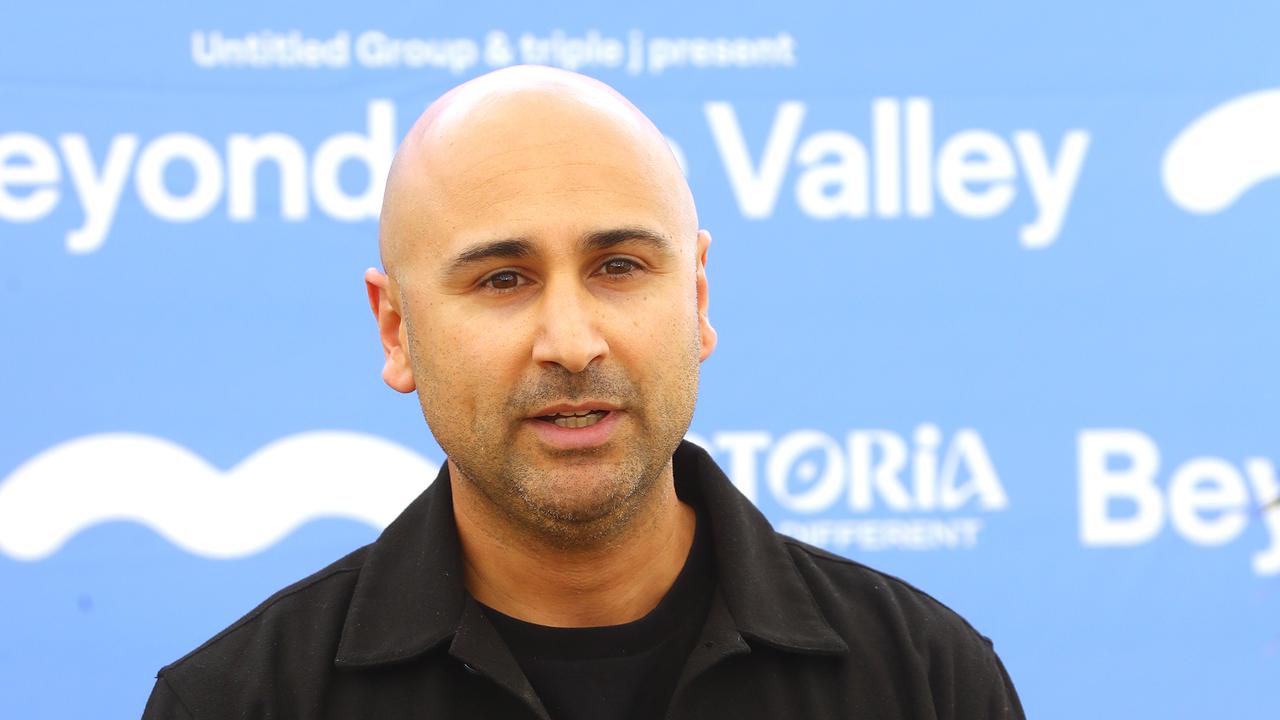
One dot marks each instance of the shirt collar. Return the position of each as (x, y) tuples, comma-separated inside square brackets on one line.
[(410, 596)]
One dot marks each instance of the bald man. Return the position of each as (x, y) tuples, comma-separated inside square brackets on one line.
[(545, 294)]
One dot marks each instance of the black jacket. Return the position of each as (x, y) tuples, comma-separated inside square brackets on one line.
[(794, 632)]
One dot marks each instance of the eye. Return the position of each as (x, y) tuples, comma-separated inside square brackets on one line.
[(502, 281), (620, 267)]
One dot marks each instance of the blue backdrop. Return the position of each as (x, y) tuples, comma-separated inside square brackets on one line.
[(994, 285)]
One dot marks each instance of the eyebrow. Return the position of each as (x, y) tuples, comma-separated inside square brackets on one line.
[(519, 248), (508, 249), (605, 239)]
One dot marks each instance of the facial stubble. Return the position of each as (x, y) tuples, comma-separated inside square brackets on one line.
[(572, 499)]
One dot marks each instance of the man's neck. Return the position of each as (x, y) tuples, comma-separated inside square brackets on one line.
[(615, 581)]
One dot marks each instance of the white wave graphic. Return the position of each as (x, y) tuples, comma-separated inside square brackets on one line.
[(1224, 153), (197, 507)]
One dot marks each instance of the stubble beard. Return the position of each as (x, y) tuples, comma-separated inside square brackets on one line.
[(531, 497)]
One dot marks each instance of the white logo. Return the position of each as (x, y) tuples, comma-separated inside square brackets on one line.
[(928, 485), (1207, 500), (30, 160), (1225, 152), (975, 173), (148, 480)]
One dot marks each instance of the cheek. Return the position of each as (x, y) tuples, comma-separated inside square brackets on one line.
[(469, 364), (658, 333)]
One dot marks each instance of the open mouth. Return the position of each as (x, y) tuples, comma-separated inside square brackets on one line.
[(585, 418)]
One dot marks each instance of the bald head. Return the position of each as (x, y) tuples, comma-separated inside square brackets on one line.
[(495, 147), (542, 249)]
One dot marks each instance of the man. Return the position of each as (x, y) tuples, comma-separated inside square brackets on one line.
[(546, 296)]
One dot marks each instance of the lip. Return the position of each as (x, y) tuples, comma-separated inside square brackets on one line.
[(591, 436), (573, 408)]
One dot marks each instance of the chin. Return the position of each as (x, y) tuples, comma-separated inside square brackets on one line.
[(584, 495)]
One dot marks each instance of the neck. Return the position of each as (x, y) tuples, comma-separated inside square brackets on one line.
[(614, 581)]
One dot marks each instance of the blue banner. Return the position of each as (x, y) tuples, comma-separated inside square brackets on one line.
[(994, 285)]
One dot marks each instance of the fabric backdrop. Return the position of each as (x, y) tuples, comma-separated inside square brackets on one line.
[(994, 283)]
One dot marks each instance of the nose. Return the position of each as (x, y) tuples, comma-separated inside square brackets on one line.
[(569, 321)]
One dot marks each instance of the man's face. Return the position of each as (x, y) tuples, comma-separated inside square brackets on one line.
[(553, 270)]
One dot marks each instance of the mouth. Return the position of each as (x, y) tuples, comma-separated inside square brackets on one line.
[(578, 426), (574, 420)]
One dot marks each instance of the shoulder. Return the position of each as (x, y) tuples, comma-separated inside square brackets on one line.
[(297, 628), (906, 630), (297, 607), (849, 586)]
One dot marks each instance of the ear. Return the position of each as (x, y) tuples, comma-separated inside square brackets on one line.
[(396, 371), (706, 333)]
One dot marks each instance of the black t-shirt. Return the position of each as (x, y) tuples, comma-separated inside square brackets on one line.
[(618, 672)]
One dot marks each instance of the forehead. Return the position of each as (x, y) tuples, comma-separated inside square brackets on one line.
[(544, 169)]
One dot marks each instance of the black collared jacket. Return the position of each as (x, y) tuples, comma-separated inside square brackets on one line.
[(793, 632)]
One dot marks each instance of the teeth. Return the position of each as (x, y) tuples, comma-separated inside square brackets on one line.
[(578, 420)]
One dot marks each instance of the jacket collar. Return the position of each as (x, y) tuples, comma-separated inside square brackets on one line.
[(410, 596), (759, 581)]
